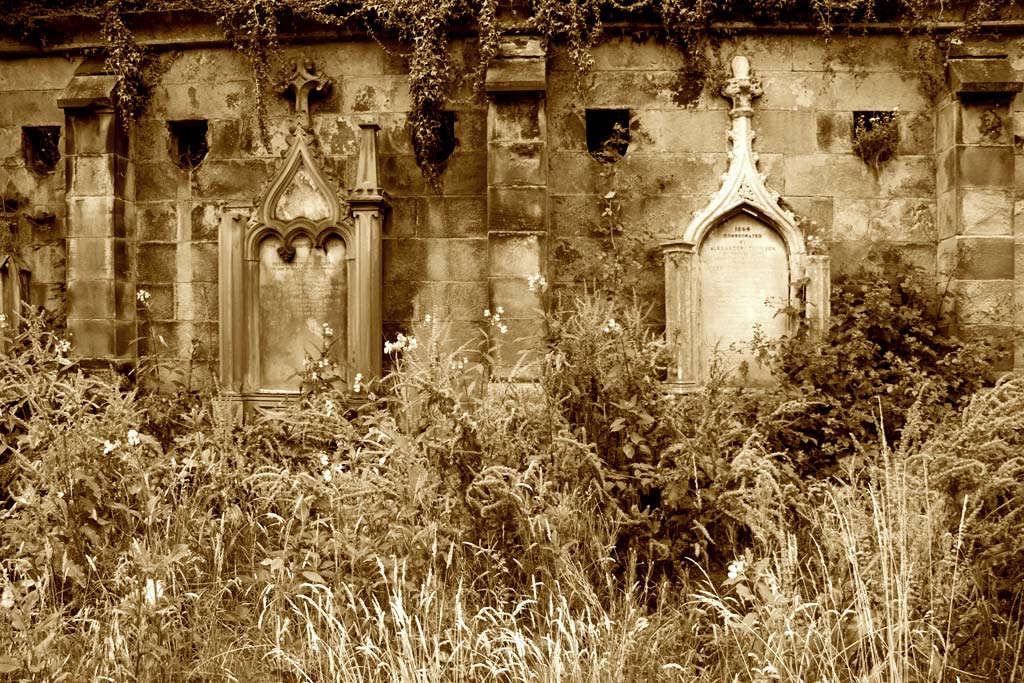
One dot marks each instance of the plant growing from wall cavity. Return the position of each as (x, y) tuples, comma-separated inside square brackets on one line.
[(876, 137)]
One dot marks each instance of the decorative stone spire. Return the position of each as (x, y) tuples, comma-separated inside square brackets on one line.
[(368, 188), (304, 82), (741, 88)]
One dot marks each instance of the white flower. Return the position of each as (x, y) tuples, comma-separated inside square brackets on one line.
[(503, 328), (327, 476), (63, 346), (324, 459), (3, 321), (143, 296), (7, 601), (412, 343), (328, 408), (537, 283), (501, 310), (487, 313), (133, 438), (427, 318), (736, 569), (357, 383), (154, 591), (327, 331), (110, 446), (611, 327)]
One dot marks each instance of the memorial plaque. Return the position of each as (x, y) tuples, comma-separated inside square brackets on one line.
[(744, 283), (296, 298)]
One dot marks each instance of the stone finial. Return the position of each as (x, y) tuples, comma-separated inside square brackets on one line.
[(368, 186), (741, 88), (303, 81)]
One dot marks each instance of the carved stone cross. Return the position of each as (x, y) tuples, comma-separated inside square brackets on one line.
[(741, 88), (304, 82)]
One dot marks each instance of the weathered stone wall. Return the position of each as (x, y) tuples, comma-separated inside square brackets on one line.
[(443, 253)]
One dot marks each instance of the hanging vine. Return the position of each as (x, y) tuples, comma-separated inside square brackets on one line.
[(425, 27)]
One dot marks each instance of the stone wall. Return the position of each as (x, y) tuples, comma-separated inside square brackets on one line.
[(448, 255)]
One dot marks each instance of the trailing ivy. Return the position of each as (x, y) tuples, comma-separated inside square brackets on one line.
[(425, 28)]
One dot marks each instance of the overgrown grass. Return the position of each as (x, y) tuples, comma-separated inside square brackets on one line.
[(587, 527)]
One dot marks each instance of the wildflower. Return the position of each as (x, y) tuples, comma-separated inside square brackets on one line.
[(7, 601), (329, 408), (501, 310), (503, 328), (143, 296), (63, 346), (537, 283), (153, 592), (327, 331), (110, 446), (427, 319), (357, 383), (133, 437), (487, 313), (3, 321), (736, 569), (324, 459), (412, 343), (611, 327), (327, 476), (400, 343)]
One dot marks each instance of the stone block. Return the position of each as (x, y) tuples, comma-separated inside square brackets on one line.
[(819, 211), (977, 258), (218, 100), (204, 261), (91, 216), (161, 302), (157, 263), (679, 131), (402, 174), (917, 133), (160, 181), (626, 54), (880, 91), (30, 108), (947, 214), (986, 212), (633, 90), (91, 132), (947, 120), (577, 172), (38, 73), (124, 299), (520, 119), (441, 260), (813, 175), (10, 144), (575, 215), (452, 217), (851, 257), (985, 167), (568, 132), (983, 302), (908, 176), (792, 91), (373, 94), (406, 300), (946, 170), (156, 221), (987, 124), (240, 180), (885, 220), (518, 351), (205, 297), (224, 139), (852, 53), (465, 173), (463, 301), (785, 132), (515, 298), (206, 217), (654, 174), (206, 66), (92, 299), (339, 59), (91, 175), (470, 130), (513, 254), (91, 258), (404, 218), (986, 77), (517, 163), (516, 208), (516, 75), (92, 338)]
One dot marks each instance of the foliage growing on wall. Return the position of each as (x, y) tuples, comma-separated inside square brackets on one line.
[(256, 27)]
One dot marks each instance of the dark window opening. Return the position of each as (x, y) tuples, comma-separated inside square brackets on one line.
[(876, 136), (41, 147), (607, 134), (188, 145)]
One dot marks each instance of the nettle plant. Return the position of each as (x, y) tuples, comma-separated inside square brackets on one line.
[(258, 28)]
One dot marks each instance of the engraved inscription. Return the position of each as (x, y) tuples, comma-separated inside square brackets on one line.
[(296, 298), (744, 271)]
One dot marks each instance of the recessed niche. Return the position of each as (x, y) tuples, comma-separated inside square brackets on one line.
[(607, 134), (876, 136), (188, 145), (41, 147), (446, 141)]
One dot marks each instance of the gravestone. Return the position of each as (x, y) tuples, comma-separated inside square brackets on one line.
[(744, 278), (298, 298), (740, 262)]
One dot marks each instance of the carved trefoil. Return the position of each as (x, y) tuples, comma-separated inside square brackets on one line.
[(300, 274), (741, 263)]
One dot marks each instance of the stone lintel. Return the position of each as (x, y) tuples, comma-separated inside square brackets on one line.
[(518, 74), (983, 76)]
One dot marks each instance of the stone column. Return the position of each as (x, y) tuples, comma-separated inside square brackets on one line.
[(100, 287), (368, 203), (974, 183), (517, 178)]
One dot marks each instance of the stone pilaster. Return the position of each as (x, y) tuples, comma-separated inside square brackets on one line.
[(100, 287), (517, 179), (975, 186)]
